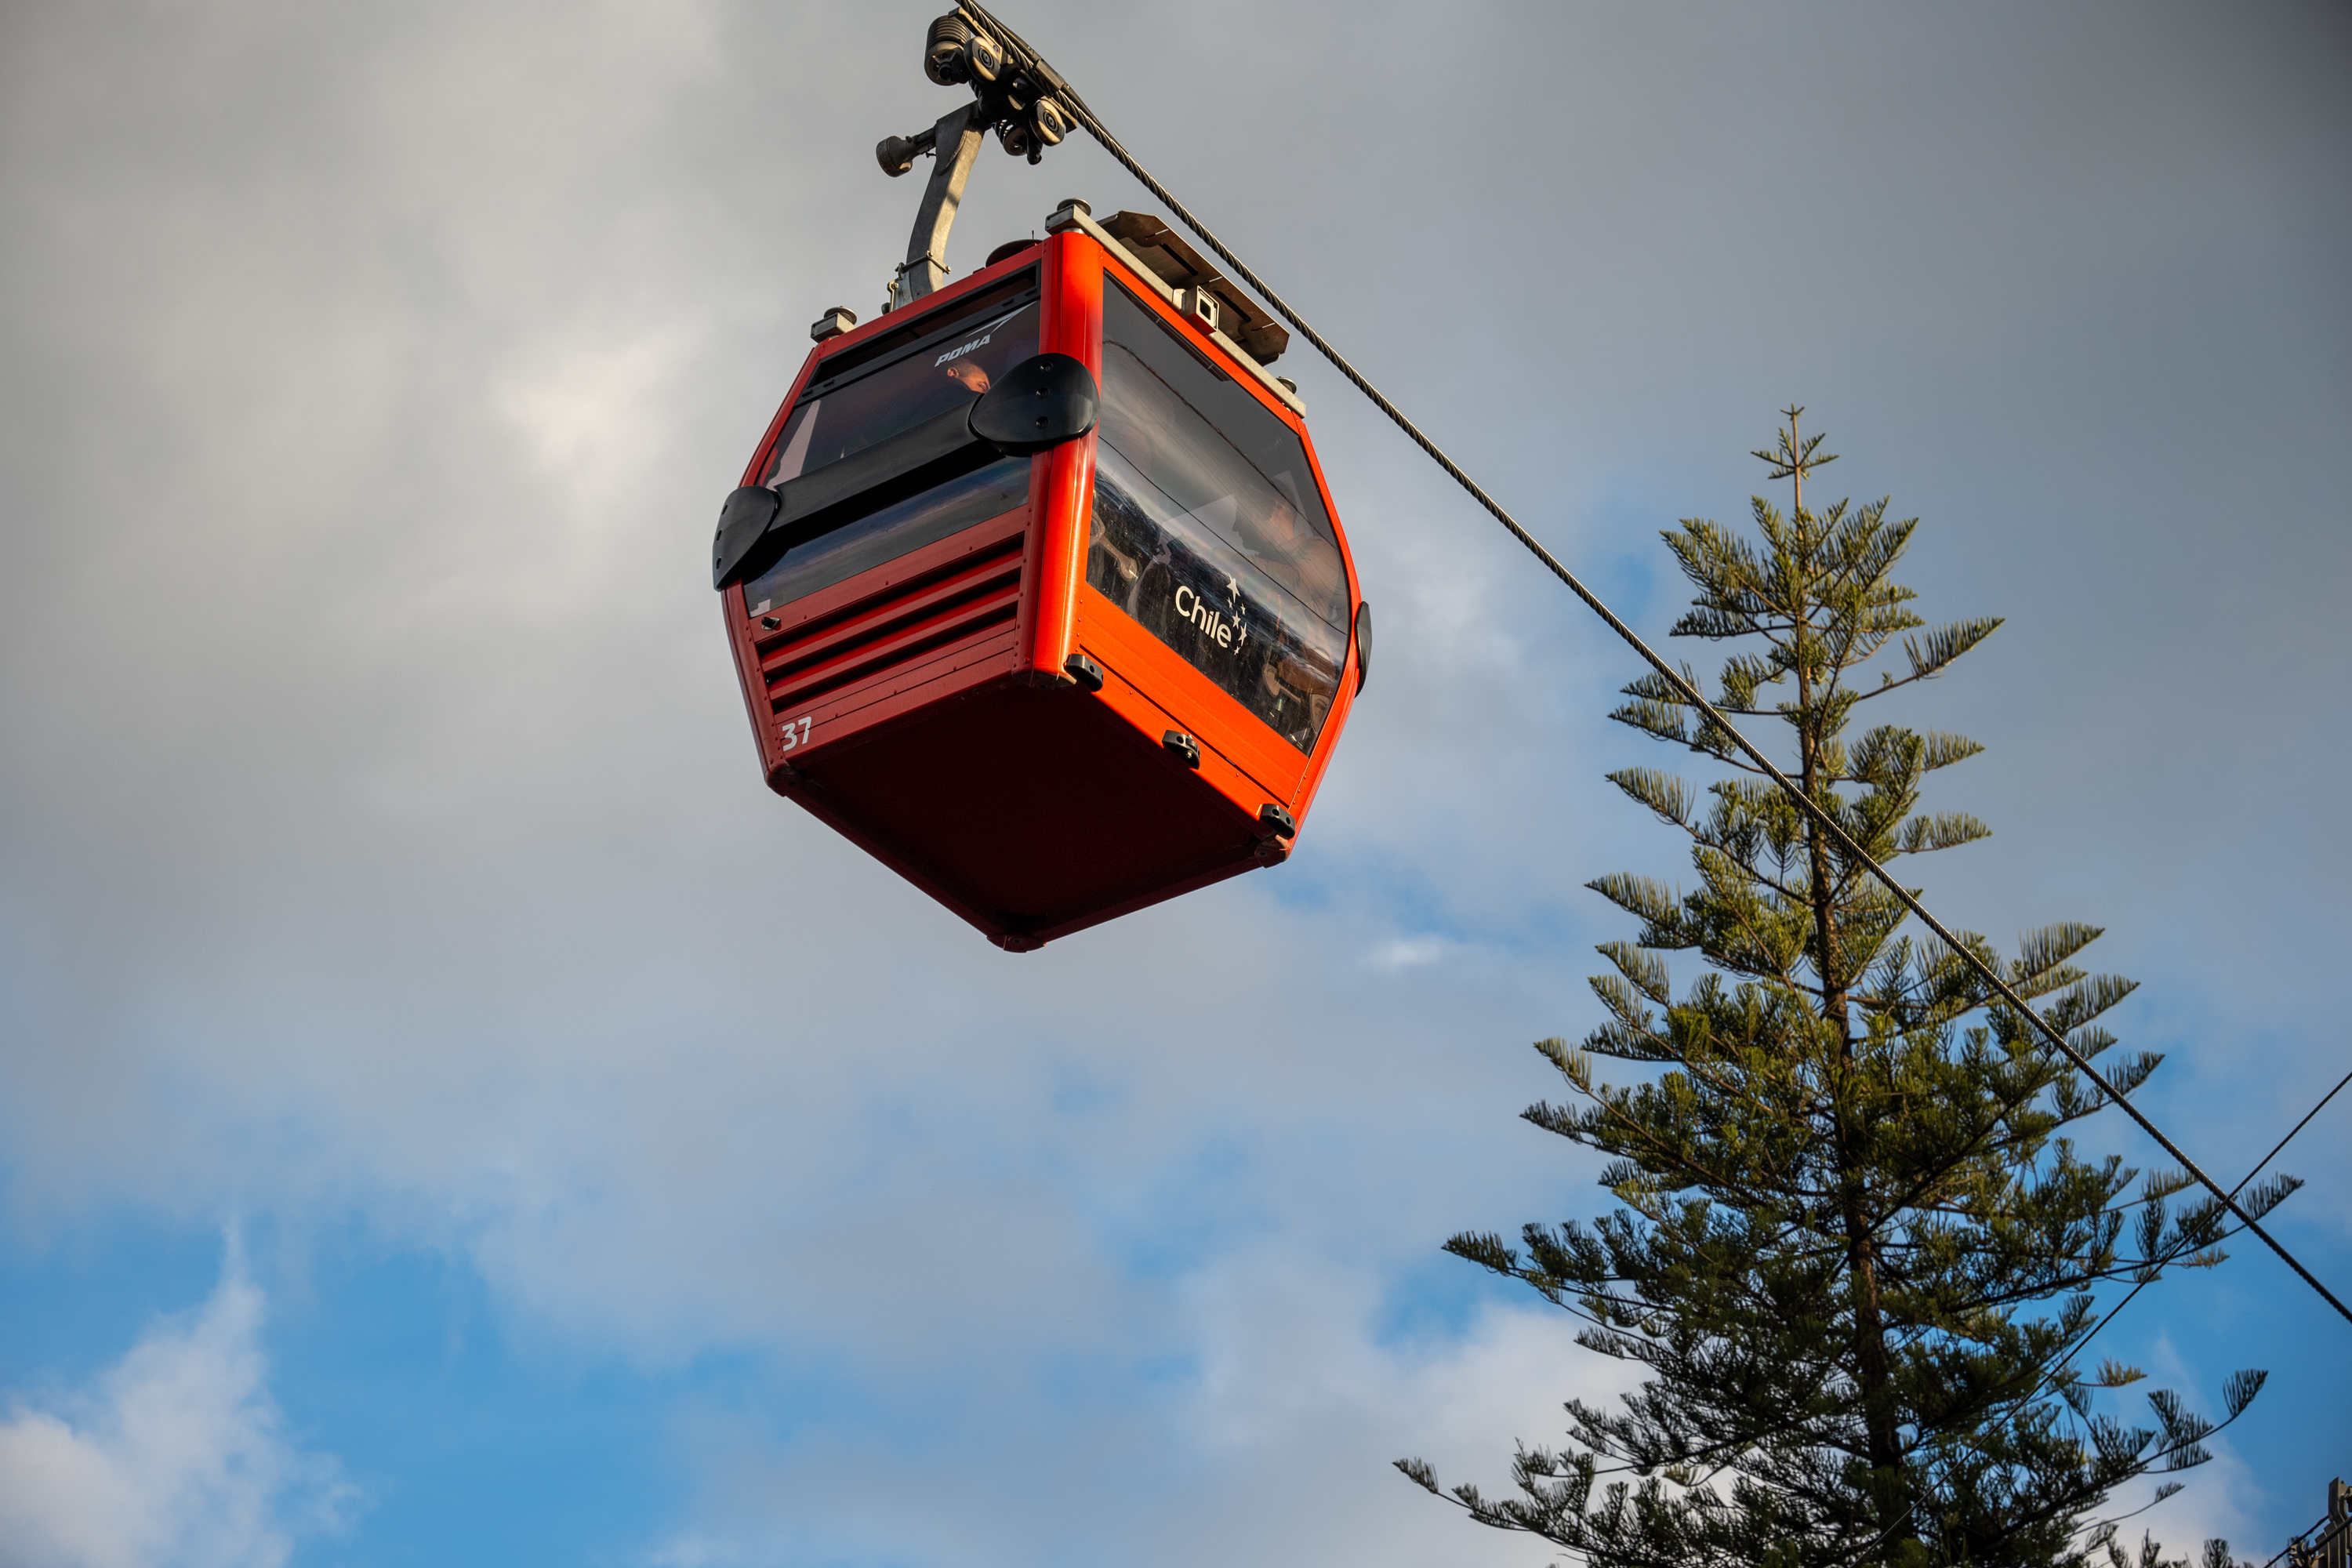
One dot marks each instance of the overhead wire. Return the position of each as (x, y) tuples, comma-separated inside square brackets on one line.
[(2313, 1551), (2150, 1278), (1689, 693)]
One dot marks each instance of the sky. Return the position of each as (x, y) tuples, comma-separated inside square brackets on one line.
[(451, 1113)]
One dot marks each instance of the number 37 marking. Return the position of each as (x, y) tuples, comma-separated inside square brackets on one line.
[(796, 733)]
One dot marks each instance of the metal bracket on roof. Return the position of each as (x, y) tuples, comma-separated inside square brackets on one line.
[(1181, 267), (955, 146), (1074, 213)]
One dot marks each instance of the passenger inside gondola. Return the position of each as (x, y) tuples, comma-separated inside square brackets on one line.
[(1203, 532), (1293, 680), (868, 403), (839, 415)]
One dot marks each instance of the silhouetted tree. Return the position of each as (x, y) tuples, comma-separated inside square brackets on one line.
[(1843, 1178)]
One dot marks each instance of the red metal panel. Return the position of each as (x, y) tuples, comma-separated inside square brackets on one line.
[(944, 609), (905, 695), (1190, 702), (981, 597), (1265, 855), (1063, 484), (1138, 697), (1035, 809)]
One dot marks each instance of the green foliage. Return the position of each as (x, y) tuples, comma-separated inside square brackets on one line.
[(1856, 1245)]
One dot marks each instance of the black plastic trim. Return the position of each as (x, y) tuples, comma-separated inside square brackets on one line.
[(941, 447), (1042, 402)]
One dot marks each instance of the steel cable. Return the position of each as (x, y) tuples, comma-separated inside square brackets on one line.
[(1683, 687), (2314, 1550), (2259, 1165)]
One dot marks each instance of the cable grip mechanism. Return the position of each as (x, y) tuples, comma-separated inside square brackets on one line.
[(1014, 94)]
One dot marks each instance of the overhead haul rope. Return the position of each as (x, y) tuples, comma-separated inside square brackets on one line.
[(2317, 1551), (1056, 84), (2260, 1166)]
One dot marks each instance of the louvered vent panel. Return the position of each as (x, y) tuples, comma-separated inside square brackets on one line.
[(907, 624)]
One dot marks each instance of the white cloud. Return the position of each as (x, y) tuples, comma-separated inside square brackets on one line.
[(2217, 1501), (2220, 1500), (175, 1456), (1282, 1425), (1408, 952), (590, 407)]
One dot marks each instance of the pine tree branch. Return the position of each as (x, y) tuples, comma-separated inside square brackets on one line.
[(1550, 1119), (2258, 1166)]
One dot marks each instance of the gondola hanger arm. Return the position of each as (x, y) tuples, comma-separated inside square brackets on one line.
[(955, 143)]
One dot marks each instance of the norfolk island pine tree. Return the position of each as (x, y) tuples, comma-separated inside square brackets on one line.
[(1856, 1249)]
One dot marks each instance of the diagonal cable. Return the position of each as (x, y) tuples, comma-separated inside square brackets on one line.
[(1054, 81), (2259, 1165), (2314, 1550)]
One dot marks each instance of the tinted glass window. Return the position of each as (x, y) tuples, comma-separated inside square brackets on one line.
[(889, 389), (835, 417), (1208, 529), (890, 532)]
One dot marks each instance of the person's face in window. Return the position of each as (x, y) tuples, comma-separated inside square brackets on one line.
[(973, 378), (1277, 536), (1294, 555)]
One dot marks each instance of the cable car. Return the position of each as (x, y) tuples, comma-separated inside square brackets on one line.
[(1034, 584), (1050, 686)]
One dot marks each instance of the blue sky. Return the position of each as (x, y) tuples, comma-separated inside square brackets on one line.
[(450, 1113)]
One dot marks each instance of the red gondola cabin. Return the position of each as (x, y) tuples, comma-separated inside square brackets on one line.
[(1048, 686)]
